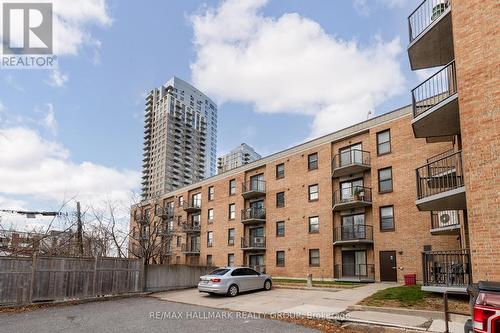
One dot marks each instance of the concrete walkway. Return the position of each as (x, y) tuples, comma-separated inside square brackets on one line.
[(319, 303), (411, 320)]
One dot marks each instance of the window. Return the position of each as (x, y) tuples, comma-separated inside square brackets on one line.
[(280, 199), (280, 228), (232, 187), (387, 218), (181, 201), (232, 211), (385, 180), (210, 193), (179, 241), (384, 142), (280, 171), (210, 215), (313, 192), (314, 257), (196, 200), (313, 224), (230, 236), (280, 258), (210, 238), (312, 161), (230, 259), (209, 260)]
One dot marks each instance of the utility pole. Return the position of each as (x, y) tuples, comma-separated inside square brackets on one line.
[(79, 229)]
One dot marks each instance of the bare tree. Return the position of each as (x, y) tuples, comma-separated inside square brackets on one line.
[(151, 232)]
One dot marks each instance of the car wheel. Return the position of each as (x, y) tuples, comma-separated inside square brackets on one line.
[(267, 285), (233, 290)]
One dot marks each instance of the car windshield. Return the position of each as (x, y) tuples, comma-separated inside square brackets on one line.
[(219, 271)]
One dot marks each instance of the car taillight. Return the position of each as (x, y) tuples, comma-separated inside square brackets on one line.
[(215, 279), (481, 315)]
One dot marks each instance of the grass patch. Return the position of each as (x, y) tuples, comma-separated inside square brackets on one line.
[(413, 297), (319, 283)]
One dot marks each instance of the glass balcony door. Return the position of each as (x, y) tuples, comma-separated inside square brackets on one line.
[(353, 227), (351, 155)]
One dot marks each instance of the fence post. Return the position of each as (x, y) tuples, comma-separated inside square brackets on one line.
[(94, 281), (32, 280)]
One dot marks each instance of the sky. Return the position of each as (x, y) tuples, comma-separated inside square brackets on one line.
[(298, 68)]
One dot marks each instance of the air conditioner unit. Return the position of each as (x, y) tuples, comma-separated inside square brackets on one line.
[(259, 240), (447, 218)]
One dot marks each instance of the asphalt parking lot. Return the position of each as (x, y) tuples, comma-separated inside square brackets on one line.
[(139, 314), (324, 303)]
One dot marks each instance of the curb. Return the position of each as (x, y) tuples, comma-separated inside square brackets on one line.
[(410, 312), (37, 305), (332, 290)]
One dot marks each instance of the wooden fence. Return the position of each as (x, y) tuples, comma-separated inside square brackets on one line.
[(26, 280), (170, 277)]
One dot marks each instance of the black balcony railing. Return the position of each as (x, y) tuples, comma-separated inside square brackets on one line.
[(440, 175), (255, 242), (445, 219), (259, 268), (254, 186), (253, 214), (190, 248), (426, 13), (193, 204), (435, 89), (164, 212), (361, 232), (364, 272), (190, 227), (350, 157), (447, 268), (352, 194)]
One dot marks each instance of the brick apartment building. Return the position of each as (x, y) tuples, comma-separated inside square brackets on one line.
[(413, 191)]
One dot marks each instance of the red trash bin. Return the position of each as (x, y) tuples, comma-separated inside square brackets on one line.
[(410, 279)]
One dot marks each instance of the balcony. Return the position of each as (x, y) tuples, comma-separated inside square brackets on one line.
[(259, 268), (190, 249), (192, 206), (352, 197), (445, 222), (354, 272), (353, 234), (253, 189), (253, 215), (431, 36), (189, 227), (435, 106), (253, 243), (164, 213), (440, 184), (166, 231), (446, 270), (350, 162)]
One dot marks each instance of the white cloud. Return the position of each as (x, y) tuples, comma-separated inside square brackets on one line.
[(49, 121), (72, 22), (361, 6), (364, 7), (2, 107), (57, 79), (290, 64), (41, 169)]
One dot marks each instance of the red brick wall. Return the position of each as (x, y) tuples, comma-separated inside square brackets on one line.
[(477, 56)]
